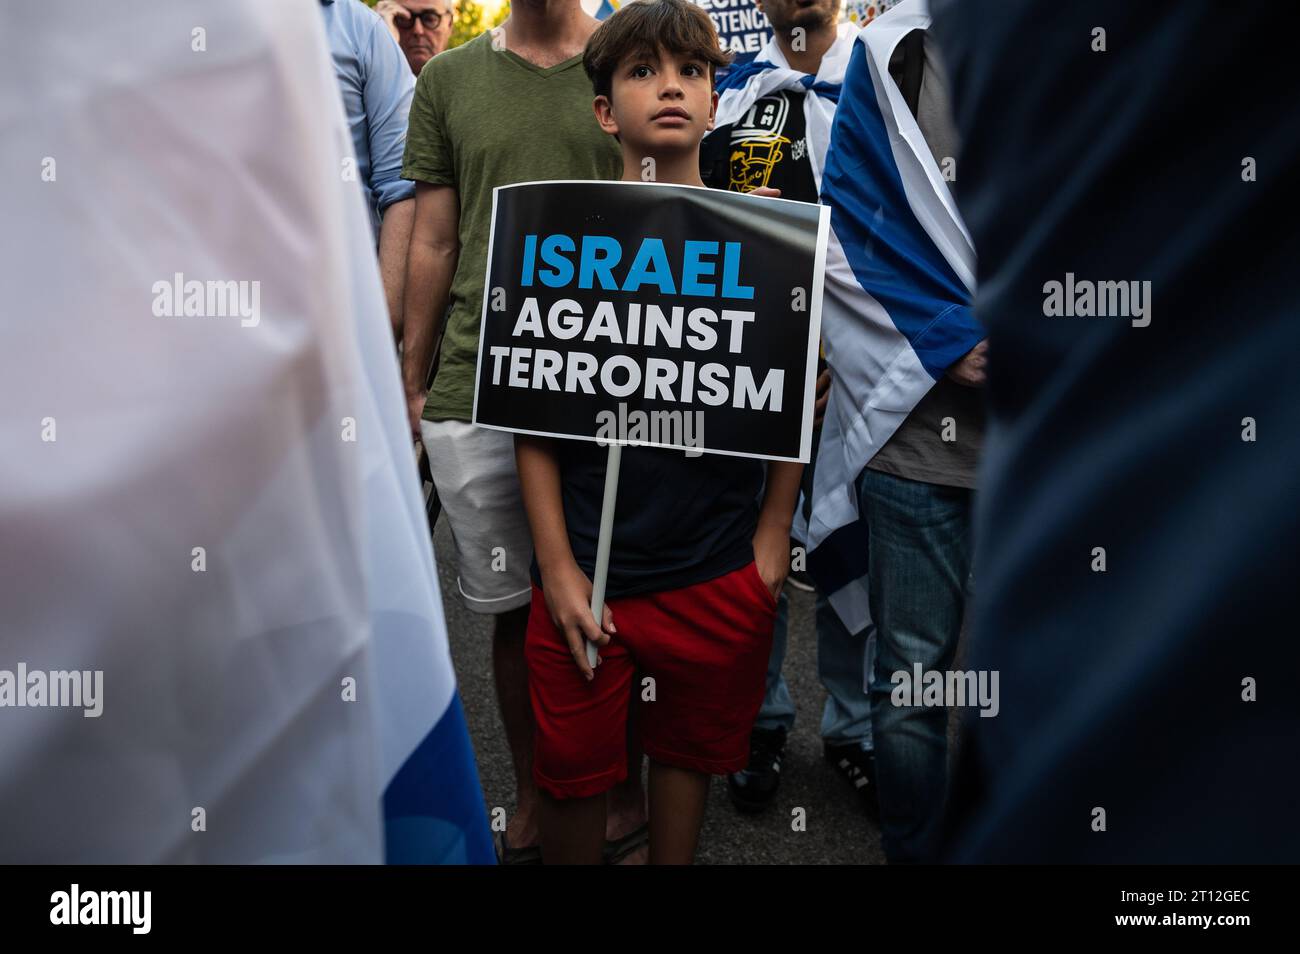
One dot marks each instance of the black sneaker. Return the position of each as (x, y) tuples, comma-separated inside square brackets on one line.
[(857, 767), (753, 789)]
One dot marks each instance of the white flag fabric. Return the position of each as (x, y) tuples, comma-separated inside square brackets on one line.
[(208, 496)]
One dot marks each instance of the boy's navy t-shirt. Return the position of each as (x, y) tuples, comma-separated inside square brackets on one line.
[(678, 520)]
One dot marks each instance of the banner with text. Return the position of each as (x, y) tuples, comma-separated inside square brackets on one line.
[(645, 313), (742, 28)]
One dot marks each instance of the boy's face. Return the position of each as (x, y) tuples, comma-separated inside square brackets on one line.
[(659, 102)]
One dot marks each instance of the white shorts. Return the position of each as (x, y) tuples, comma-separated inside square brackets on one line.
[(473, 469)]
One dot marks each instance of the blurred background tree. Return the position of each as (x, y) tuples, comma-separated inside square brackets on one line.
[(470, 22), (472, 19)]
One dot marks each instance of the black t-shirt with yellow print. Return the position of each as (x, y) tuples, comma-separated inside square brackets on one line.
[(766, 147)]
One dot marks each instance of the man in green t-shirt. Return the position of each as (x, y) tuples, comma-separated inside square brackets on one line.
[(512, 105)]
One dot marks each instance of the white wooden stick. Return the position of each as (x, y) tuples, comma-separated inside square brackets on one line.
[(602, 542)]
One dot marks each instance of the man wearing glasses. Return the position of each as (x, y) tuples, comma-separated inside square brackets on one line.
[(422, 27)]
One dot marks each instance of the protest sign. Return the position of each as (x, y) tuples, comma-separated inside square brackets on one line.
[(612, 304), (742, 27)]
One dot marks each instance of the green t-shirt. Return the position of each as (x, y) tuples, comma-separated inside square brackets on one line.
[(483, 118)]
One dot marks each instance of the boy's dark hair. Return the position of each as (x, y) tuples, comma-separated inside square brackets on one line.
[(643, 26)]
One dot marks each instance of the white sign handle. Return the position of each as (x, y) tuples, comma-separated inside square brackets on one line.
[(602, 542)]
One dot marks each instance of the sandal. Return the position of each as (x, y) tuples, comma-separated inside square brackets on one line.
[(507, 855), (617, 850)]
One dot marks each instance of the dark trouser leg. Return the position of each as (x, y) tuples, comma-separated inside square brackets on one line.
[(919, 563)]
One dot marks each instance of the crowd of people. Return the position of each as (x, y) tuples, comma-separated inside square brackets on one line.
[(1050, 479), (516, 104), (555, 94), (245, 275)]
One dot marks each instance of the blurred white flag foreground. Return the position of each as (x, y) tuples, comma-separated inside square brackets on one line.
[(221, 638)]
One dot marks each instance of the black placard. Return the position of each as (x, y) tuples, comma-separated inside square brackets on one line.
[(605, 300)]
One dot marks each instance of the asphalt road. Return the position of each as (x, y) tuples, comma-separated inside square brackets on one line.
[(837, 829)]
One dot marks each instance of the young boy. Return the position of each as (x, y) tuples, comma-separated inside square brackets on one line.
[(695, 561)]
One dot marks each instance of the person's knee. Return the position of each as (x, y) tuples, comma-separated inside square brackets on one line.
[(567, 769), (904, 640)]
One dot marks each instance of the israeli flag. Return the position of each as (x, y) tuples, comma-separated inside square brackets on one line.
[(900, 275), (210, 501)]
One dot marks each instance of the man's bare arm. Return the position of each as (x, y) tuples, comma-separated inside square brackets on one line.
[(394, 247), (430, 265)]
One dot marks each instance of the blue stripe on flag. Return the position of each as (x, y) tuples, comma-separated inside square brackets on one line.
[(826, 90), (892, 256), (433, 807), (739, 74)]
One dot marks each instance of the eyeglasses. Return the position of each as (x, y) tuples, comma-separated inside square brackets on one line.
[(429, 19)]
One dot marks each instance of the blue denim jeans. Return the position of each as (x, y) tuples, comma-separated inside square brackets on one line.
[(919, 556), (846, 717)]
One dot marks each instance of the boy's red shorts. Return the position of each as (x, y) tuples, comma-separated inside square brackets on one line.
[(706, 646)]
